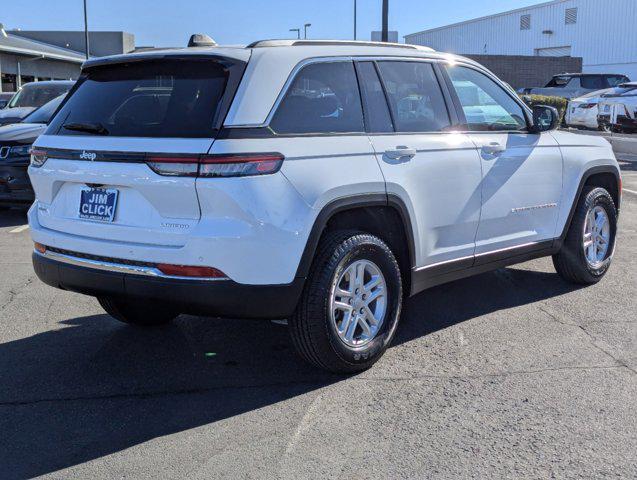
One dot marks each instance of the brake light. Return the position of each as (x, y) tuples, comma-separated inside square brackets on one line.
[(38, 157), (190, 271), (209, 166)]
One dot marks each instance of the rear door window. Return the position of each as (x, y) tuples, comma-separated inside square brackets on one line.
[(415, 97), (323, 98), (593, 82), (171, 98)]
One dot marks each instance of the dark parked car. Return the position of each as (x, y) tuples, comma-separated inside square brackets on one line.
[(31, 96), (15, 143), (572, 85)]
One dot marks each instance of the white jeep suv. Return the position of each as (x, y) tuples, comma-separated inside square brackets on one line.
[(323, 182)]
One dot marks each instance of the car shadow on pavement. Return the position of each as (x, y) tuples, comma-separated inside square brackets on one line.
[(13, 217), (95, 387)]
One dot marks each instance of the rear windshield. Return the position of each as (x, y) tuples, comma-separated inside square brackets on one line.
[(168, 98), (558, 82)]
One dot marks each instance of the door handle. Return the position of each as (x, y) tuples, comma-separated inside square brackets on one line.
[(400, 152), (493, 148)]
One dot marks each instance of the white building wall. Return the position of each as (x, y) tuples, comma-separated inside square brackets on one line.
[(605, 34)]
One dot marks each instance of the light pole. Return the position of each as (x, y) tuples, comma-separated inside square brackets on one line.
[(305, 29), (385, 34), (354, 19), (298, 32), (86, 30)]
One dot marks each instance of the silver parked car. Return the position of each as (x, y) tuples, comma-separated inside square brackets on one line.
[(572, 85)]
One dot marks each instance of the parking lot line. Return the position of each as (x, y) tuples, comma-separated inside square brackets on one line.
[(629, 191), (19, 229)]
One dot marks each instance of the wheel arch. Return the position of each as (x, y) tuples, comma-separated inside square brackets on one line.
[(368, 212), (605, 176)]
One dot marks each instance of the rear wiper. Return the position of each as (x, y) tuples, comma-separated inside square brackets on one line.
[(97, 128)]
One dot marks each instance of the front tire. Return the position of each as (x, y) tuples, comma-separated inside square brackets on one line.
[(351, 303), (588, 249), (137, 312)]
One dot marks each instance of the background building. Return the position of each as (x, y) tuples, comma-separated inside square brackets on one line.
[(602, 32), (28, 56)]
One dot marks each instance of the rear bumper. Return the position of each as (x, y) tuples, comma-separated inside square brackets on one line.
[(223, 298)]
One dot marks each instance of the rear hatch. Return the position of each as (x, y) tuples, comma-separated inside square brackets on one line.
[(121, 155)]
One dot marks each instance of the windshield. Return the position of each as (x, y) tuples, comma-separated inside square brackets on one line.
[(44, 113), (34, 95), (171, 98)]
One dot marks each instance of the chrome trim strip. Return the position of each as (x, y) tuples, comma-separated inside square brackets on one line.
[(117, 267), (437, 264), (477, 255), (514, 247)]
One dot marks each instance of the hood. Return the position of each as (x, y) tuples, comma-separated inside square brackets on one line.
[(17, 113), (21, 132)]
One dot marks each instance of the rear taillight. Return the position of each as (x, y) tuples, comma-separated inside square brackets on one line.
[(211, 166), (240, 165), (38, 157)]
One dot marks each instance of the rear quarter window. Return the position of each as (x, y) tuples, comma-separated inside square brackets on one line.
[(174, 98)]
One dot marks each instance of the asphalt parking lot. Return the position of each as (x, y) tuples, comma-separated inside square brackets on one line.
[(512, 374)]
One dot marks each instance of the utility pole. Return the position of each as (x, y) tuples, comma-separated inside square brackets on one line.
[(354, 19), (86, 30), (305, 30), (298, 32), (385, 33)]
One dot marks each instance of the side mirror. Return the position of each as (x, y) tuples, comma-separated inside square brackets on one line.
[(545, 118)]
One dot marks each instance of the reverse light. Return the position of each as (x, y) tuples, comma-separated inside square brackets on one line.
[(211, 166), (190, 271), (38, 157), (174, 165)]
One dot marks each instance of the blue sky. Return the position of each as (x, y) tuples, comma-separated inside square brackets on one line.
[(170, 22)]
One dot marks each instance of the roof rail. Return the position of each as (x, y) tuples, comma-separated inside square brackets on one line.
[(337, 43)]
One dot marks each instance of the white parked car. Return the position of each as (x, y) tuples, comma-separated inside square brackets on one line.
[(582, 112), (618, 112), (323, 182)]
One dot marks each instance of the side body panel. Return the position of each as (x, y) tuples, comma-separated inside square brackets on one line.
[(440, 186), (521, 189)]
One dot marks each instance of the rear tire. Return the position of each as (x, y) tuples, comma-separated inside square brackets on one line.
[(333, 327), (137, 312), (588, 249)]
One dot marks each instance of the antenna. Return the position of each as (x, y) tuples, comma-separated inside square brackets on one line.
[(201, 40)]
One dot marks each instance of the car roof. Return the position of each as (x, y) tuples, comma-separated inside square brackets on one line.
[(589, 74), (314, 48)]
